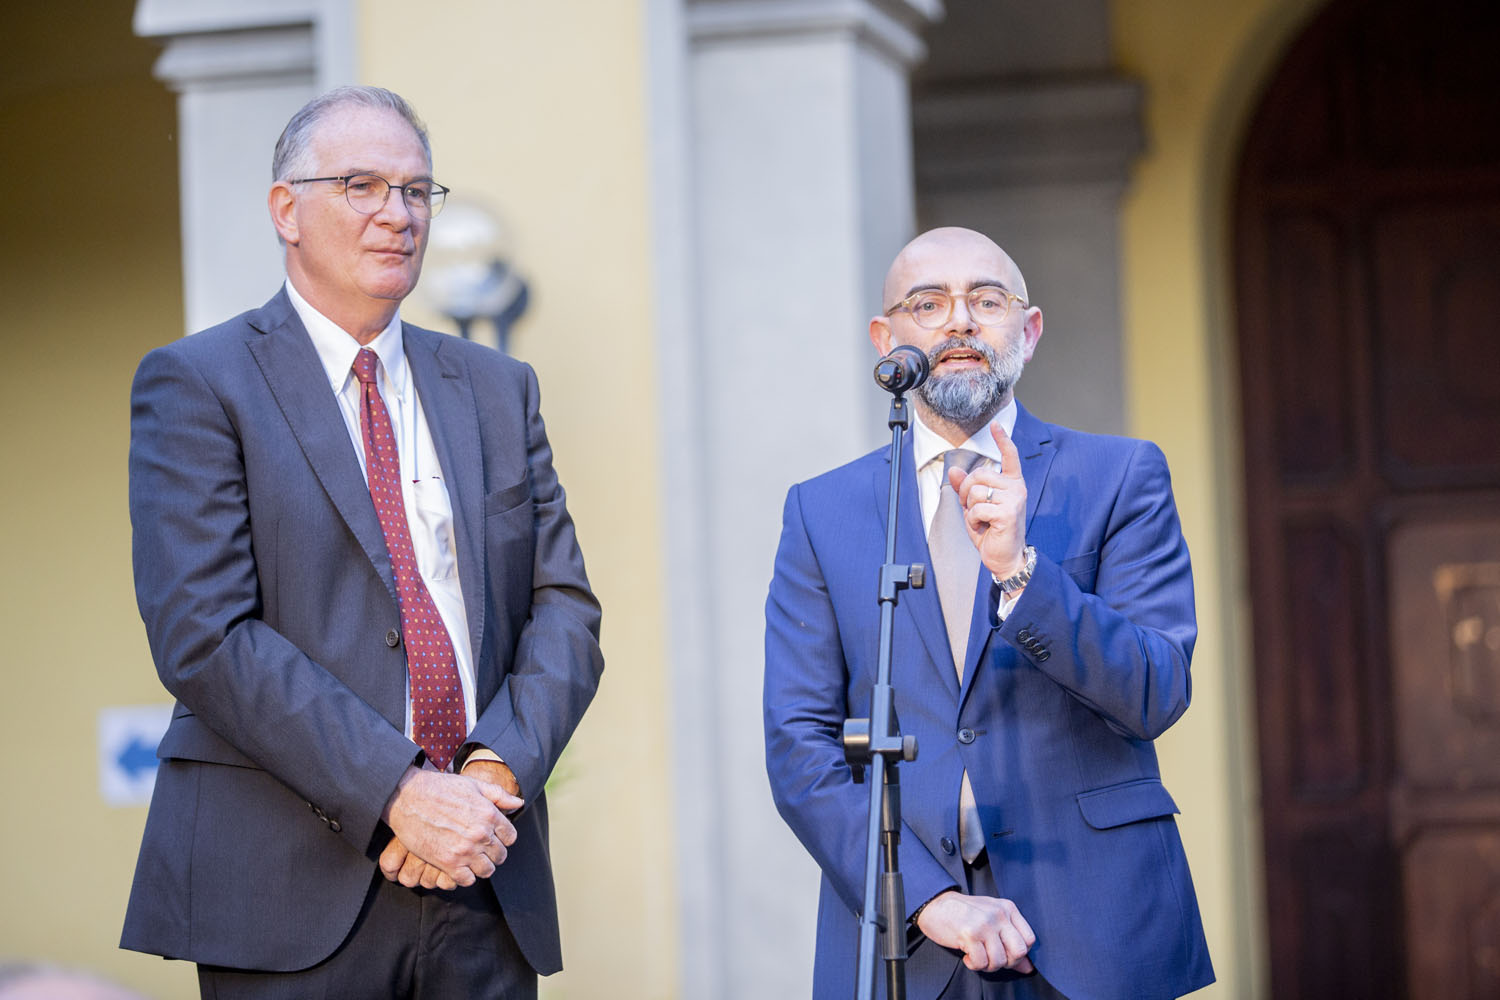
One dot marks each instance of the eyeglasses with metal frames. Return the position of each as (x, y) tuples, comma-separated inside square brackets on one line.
[(368, 193), (931, 307)]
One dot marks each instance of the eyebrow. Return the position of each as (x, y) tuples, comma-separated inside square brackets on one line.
[(933, 286), (375, 173)]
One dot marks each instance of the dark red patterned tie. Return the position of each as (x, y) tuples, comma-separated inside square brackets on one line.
[(437, 700)]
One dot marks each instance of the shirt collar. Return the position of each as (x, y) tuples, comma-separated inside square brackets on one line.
[(927, 444), (336, 348)]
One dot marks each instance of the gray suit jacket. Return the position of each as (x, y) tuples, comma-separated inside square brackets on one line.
[(268, 598)]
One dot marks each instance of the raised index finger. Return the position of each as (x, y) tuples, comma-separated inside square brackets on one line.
[(1010, 465)]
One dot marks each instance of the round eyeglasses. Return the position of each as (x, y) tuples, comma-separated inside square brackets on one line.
[(931, 307), (368, 193)]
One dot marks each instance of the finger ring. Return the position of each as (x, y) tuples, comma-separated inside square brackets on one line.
[(990, 496)]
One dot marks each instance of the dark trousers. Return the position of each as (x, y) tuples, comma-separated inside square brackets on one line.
[(407, 944)]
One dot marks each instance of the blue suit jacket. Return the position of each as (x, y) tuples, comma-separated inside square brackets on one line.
[(266, 589), (1061, 702)]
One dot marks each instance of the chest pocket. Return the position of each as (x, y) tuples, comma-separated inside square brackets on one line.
[(507, 499)]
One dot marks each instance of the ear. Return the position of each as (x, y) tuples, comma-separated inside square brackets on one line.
[(880, 335), (1032, 329), (283, 205)]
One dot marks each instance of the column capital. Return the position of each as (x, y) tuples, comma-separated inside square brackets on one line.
[(216, 43), (193, 61), (159, 18), (893, 27), (1066, 130)]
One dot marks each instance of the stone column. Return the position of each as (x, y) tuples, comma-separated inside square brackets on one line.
[(783, 189), (239, 71), (1040, 164)]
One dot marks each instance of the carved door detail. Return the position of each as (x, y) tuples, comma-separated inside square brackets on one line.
[(1445, 797)]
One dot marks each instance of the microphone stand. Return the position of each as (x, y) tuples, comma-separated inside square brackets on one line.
[(878, 736)]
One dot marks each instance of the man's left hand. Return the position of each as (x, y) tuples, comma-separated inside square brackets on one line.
[(496, 772), (994, 503)]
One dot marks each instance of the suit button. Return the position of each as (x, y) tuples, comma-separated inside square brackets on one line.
[(1023, 637), (393, 638), (334, 826), (1042, 656), (947, 845), (966, 736)]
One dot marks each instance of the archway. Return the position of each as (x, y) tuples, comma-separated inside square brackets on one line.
[(1367, 240)]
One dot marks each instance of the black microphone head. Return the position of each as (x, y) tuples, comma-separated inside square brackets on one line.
[(903, 369)]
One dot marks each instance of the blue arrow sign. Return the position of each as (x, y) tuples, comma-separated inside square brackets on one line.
[(137, 758), (128, 735)]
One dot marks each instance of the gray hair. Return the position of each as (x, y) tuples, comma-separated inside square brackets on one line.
[(293, 157)]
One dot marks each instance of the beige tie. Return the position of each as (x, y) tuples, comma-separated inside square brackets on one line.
[(955, 562)]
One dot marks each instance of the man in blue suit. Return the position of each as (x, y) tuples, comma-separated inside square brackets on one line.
[(1049, 647), (360, 581)]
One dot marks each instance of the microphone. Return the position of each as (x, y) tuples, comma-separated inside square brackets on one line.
[(904, 368)]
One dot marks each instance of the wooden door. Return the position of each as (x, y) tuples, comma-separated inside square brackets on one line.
[(1367, 235)]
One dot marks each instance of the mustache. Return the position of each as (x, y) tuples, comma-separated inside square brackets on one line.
[(979, 347)]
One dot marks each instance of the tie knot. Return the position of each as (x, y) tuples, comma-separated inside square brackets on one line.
[(960, 458), (364, 365)]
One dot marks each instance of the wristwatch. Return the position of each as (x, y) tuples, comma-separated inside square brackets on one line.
[(1011, 584)]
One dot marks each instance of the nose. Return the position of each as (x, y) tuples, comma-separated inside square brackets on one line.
[(959, 318), (394, 212)]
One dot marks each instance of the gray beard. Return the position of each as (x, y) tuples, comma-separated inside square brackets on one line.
[(969, 398)]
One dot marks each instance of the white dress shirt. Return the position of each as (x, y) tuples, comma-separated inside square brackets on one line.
[(429, 511)]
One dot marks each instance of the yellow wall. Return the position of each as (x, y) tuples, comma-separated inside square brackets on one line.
[(90, 274), (1203, 65), (539, 109)]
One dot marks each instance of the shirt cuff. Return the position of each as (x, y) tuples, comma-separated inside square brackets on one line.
[(1008, 603), (473, 751)]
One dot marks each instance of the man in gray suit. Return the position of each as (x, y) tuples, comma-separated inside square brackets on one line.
[(360, 581)]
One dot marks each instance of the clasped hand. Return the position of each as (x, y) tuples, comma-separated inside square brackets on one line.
[(990, 932), (450, 829)]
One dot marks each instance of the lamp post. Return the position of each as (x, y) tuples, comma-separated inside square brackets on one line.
[(467, 273)]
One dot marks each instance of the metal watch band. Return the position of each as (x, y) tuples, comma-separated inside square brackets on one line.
[(1011, 584)]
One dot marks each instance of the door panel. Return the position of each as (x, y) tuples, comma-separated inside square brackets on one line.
[(1445, 636)]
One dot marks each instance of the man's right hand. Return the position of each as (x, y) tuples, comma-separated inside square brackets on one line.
[(452, 822), (991, 932), (398, 864)]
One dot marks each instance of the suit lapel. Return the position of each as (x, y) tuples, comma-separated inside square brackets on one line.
[(1033, 441), (916, 609), (447, 394), (297, 380), (1034, 444)]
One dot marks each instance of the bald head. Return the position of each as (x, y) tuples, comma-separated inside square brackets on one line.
[(941, 251), (975, 362)]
